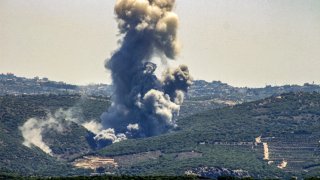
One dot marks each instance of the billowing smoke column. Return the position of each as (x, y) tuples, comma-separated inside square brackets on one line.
[(143, 104)]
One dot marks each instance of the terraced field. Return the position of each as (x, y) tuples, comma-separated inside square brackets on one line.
[(301, 153)]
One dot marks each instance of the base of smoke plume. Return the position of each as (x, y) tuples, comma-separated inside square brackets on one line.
[(96, 145)]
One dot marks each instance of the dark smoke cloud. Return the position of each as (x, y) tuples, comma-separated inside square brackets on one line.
[(144, 105), (176, 80)]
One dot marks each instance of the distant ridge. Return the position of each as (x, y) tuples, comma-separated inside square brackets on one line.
[(11, 84)]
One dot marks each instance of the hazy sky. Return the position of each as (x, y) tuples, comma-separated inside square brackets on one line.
[(241, 42)]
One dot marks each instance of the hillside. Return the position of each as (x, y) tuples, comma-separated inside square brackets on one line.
[(15, 110), (225, 137), (211, 143), (68, 144)]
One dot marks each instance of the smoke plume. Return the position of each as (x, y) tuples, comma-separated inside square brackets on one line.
[(143, 104), (34, 128), (32, 132)]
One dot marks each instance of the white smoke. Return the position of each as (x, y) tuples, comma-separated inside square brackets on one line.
[(106, 134), (32, 134), (179, 97), (109, 134), (93, 127), (161, 105), (32, 130), (133, 127)]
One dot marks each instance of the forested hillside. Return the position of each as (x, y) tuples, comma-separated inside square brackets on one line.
[(218, 141), (15, 110), (226, 138)]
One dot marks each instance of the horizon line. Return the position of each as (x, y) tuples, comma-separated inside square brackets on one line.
[(196, 79)]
